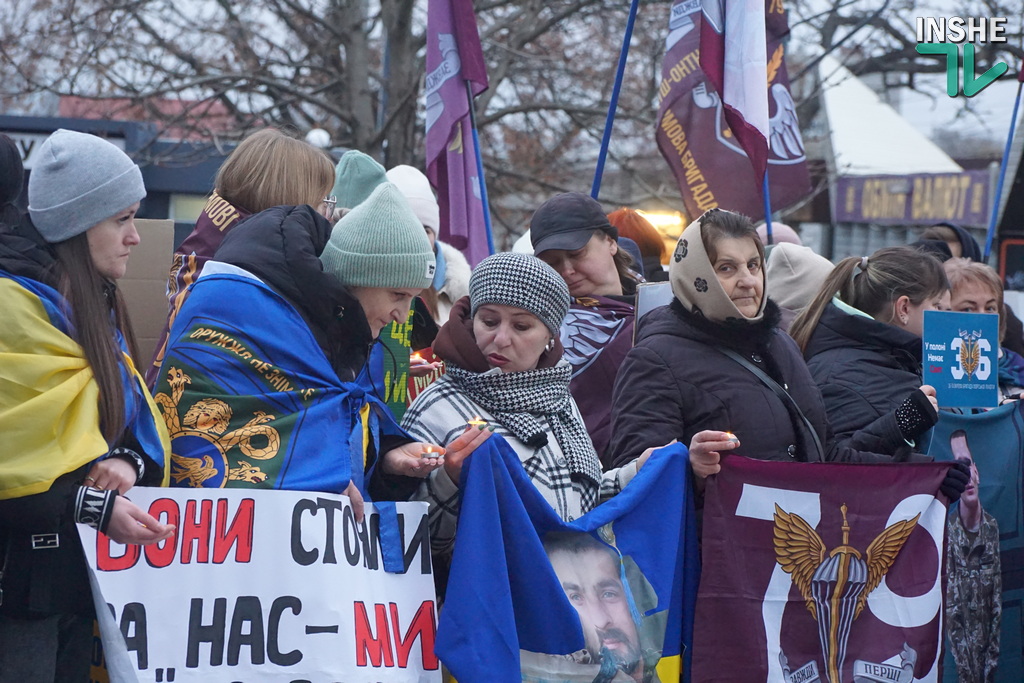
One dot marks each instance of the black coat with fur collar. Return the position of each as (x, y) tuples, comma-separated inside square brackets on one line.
[(674, 383)]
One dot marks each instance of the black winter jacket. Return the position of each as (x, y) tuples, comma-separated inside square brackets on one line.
[(674, 384), (865, 369)]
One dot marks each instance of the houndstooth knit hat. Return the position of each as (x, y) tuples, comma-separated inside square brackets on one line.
[(522, 281), (380, 243)]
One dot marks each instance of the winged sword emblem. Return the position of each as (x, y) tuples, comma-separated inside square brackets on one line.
[(970, 353), (835, 585)]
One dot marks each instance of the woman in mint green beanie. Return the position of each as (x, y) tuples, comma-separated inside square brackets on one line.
[(301, 304), (380, 252)]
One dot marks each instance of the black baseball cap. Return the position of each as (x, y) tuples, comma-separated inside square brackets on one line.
[(567, 221)]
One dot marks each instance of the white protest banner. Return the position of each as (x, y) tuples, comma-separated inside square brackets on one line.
[(279, 586)]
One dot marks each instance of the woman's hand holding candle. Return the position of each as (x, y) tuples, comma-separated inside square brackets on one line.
[(419, 367), (463, 446), (413, 459)]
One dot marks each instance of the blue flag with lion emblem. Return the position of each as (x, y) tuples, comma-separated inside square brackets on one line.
[(250, 399)]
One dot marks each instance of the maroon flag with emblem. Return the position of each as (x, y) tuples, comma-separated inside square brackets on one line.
[(821, 572), (705, 141)]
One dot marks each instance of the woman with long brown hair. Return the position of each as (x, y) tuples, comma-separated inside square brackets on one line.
[(79, 426), (861, 336)]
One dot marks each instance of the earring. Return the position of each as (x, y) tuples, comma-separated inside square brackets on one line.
[(550, 346), (903, 319)]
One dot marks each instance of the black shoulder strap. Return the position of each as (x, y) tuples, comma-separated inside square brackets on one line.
[(787, 400)]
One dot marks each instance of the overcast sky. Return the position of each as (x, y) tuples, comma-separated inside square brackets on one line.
[(989, 114)]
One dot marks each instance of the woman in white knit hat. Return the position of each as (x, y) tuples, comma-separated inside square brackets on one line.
[(451, 279), (278, 329), (79, 427)]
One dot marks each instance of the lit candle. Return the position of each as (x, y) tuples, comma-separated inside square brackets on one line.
[(477, 422), (417, 359), (732, 437), (429, 452)]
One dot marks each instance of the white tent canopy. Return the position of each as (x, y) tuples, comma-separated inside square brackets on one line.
[(868, 136)]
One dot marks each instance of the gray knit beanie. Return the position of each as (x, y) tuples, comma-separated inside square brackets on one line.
[(356, 176), (523, 281), (79, 180), (380, 243)]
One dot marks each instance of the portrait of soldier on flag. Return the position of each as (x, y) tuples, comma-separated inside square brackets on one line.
[(609, 593)]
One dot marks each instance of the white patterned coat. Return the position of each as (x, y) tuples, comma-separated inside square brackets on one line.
[(439, 415)]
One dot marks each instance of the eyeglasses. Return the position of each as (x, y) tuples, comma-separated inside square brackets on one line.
[(329, 203)]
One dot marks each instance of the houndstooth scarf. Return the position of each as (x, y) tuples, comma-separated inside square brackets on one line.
[(519, 399)]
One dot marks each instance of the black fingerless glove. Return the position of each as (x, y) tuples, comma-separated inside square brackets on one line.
[(93, 507), (915, 416), (956, 480)]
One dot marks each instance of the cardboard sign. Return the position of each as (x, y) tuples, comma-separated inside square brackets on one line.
[(961, 355), (144, 284), (269, 586)]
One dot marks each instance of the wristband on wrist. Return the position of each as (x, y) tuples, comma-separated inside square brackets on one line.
[(93, 507), (132, 458)]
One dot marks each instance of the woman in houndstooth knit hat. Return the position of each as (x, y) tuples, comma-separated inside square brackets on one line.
[(505, 368)]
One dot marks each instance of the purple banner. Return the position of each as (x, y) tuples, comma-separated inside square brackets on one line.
[(923, 199), (710, 166), (818, 572), (454, 57)]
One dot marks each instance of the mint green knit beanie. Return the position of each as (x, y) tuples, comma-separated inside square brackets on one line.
[(356, 176), (380, 243)]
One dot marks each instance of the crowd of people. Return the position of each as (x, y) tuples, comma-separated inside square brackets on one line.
[(768, 352)]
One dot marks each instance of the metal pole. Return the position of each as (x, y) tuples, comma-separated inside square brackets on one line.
[(1002, 175), (480, 168), (613, 105), (767, 208)]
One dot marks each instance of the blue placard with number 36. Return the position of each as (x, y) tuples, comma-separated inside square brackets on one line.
[(960, 355)]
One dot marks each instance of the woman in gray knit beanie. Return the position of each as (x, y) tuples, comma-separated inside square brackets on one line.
[(92, 430)]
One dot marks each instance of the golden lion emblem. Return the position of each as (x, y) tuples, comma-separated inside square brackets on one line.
[(209, 419)]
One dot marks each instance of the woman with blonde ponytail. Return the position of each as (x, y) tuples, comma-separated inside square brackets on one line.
[(861, 337)]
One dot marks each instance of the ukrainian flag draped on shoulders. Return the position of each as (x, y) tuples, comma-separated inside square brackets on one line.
[(49, 399), (251, 400), (607, 597)]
